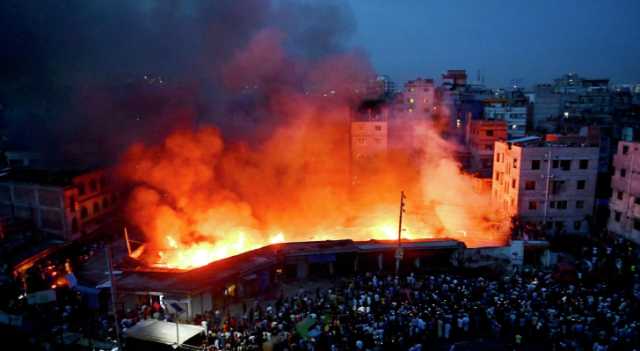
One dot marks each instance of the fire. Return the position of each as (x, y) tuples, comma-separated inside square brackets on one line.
[(199, 196)]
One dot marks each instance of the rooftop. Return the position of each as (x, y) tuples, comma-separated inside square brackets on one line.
[(49, 177), (216, 273), (536, 141)]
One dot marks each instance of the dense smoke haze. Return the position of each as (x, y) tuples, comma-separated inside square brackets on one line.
[(83, 79), (230, 119)]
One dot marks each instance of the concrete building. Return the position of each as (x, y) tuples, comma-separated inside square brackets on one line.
[(419, 98), (546, 183), (481, 136), (369, 137), (546, 107), (514, 115), (21, 159), (454, 79), (62, 203), (624, 218)]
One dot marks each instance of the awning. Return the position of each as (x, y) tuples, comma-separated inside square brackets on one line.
[(162, 332)]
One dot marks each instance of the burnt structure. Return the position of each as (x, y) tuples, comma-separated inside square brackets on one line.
[(255, 272)]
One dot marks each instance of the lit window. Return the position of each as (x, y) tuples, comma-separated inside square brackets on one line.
[(412, 100)]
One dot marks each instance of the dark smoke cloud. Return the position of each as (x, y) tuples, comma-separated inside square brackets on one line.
[(81, 79)]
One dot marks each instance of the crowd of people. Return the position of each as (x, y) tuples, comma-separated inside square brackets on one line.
[(590, 302), (526, 309)]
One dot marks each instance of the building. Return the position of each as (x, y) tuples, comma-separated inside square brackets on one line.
[(546, 183), (481, 136), (252, 273), (369, 137), (624, 217), (514, 115), (20, 159), (67, 204), (419, 98), (454, 79), (546, 107)]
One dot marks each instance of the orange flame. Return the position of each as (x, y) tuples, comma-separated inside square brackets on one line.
[(199, 198)]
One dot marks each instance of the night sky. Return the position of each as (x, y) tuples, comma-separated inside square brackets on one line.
[(530, 40)]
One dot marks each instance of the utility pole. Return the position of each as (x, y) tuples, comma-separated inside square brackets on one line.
[(399, 253), (113, 293), (126, 240), (547, 187)]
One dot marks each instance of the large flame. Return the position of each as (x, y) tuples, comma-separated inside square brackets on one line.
[(198, 198)]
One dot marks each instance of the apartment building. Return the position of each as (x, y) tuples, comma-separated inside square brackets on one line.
[(547, 183), (624, 217)]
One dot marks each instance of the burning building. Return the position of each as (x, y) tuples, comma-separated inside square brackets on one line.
[(202, 195), (256, 272)]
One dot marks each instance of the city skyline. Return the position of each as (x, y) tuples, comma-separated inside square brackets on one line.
[(533, 42)]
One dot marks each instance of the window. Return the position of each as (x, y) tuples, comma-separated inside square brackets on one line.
[(105, 202), (565, 165), (620, 195), (584, 164), (577, 225), (72, 203), (515, 163), (93, 185), (557, 186), (533, 205), (625, 149), (513, 183), (636, 200), (535, 164), (530, 185), (581, 184), (636, 224), (552, 204), (555, 164), (96, 208), (623, 172), (489, 132), (617, 215), (579, 204), (562, 205), (378, 128), (84, 213), (81, 190)]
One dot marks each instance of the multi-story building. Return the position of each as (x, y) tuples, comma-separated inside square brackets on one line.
[(66, 204), (546, 183), (514, 115), (369, 137), (481, 136), (20, 159), (419, 98), (624, 218), (546, 107)]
